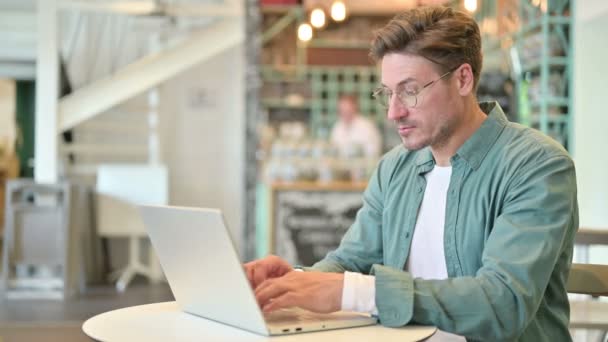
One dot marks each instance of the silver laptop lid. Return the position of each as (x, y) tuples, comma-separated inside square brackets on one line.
[(202, 266)]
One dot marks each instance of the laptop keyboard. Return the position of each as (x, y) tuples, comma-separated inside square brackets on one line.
[(291, 316), (295, 315)]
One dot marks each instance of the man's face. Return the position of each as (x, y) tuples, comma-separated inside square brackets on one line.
[(347, 109), (432, 121)]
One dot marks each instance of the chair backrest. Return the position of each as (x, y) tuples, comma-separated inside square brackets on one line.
[(588, 279), (138, 184), (120, 188), (585, 278)]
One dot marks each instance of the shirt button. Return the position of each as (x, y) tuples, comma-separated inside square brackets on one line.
[(407, 235), (419, 189)]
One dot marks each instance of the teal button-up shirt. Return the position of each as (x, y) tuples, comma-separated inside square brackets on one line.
[(510, 221)]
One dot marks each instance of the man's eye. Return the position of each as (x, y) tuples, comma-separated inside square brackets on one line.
[(409, 92), (412, 90)]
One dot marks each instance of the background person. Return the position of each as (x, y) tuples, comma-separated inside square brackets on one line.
[(353, 131)]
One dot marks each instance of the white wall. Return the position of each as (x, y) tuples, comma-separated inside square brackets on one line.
[(591, 118), (203, 134)]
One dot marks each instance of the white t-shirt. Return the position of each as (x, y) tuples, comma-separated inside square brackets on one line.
[(360, 132), (426, 259)]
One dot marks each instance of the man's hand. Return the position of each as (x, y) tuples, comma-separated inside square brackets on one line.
[(313, 291), (269, 267)]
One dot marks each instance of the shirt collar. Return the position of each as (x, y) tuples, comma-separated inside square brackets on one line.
[(474, 150), (424, 156)]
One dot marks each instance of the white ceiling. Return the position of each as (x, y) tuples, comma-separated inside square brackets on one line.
[(17, 5)]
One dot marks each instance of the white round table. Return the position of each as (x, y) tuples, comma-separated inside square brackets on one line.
[(165, 322)]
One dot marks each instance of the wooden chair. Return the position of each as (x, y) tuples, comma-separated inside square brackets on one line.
[(589, 279)]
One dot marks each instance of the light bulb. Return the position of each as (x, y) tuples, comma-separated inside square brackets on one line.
[(317, 18), (338, 11), (470, 5), (304, 32)]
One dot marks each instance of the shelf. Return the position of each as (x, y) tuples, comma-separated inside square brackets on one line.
[(551, 102), (495, 43), (551, 118), (536, 24), (553, 62), (284, 103), (543, 43), (284, 73)]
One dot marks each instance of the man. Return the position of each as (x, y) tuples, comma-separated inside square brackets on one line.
[(353, 132), (468, 226)]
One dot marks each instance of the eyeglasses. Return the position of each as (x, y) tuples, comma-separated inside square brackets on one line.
[(406, 92)]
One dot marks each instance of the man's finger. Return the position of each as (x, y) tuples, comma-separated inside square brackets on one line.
[(249, 275), (289, 280), (264, 284), (286, 300), (267, 292), (260, 273)]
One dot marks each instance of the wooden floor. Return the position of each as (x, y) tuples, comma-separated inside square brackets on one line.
[(50, 321)]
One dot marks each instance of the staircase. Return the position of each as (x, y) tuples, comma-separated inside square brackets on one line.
[(114, 63), (126, 134), (115, 55)]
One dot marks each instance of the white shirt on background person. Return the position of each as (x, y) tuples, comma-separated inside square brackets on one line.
[(360, 131)]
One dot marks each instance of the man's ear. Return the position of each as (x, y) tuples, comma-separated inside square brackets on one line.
[(465, 78)]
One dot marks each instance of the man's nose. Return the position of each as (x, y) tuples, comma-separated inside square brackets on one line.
[(396, 109)]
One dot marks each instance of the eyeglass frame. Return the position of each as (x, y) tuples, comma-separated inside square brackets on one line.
[(376, 93)]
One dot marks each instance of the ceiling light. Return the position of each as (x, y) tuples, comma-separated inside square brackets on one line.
[(470, 5), (338, 11), (317, 18), (305, 32)]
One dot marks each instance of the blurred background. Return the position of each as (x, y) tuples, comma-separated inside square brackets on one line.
[(245, 106)]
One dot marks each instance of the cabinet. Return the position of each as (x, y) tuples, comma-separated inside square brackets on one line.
[(543, 66), (533, 38)]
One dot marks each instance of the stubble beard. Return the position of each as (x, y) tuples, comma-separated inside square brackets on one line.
[(440, 140)]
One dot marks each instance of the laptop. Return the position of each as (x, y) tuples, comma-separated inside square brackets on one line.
[(207, 278)]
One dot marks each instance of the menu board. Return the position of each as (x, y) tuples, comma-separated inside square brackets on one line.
[(309, 224)]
